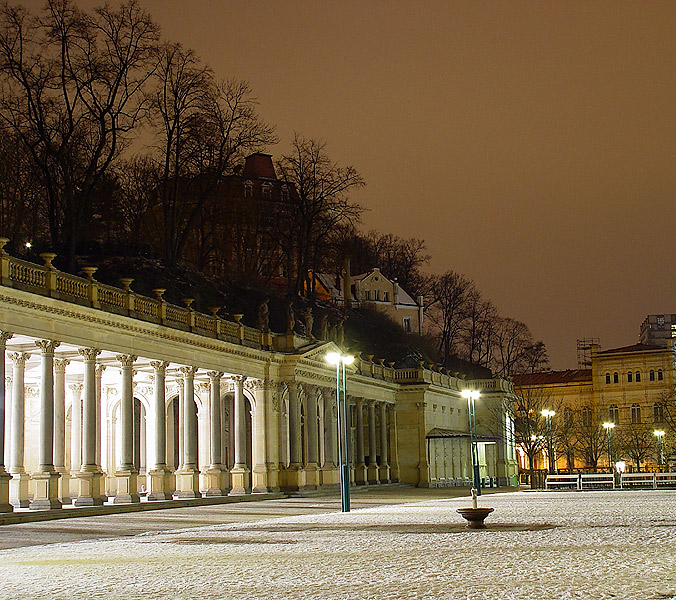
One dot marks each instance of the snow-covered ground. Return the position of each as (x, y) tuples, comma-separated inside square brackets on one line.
[(591, 545)]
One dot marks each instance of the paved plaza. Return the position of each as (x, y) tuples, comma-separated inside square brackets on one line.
[(397, 543)]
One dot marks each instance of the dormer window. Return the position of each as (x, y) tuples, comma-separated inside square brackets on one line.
[(267, 191)]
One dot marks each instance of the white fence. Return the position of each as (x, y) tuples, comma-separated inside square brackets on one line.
[(596, 481)]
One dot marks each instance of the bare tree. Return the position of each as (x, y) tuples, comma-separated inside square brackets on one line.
[(448, 311), (323, 204), (72, 90), (636, 440), (204, 128), (479, 329)]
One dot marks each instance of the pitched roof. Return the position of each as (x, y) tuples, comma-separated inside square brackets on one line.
[(633, 348), (553, 377)]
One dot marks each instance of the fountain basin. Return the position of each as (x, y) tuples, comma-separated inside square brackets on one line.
[(475, 516)]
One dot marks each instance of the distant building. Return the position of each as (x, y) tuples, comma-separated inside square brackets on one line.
[(626, 386), (372, 289), (658, 329)]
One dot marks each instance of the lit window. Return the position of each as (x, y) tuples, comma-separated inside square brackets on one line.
[(635, 413), (407, 324), (616, 377), (267, 191), (638, 376), (586, 416), (651, 375), (614, 414), (658, 412), (607, 378), (629, 377)]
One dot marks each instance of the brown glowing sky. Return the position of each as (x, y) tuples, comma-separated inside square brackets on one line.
[(530, 144)]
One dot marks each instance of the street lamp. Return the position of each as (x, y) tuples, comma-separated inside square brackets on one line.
[(471, 396), (337, 359), (608, 426), (548, 414), (659, 434)]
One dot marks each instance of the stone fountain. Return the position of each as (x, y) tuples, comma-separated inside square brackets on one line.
[(475, 516)]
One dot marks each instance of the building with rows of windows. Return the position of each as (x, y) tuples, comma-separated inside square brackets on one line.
[(628, 387)]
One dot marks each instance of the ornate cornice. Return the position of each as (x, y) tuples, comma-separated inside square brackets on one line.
[(317, 377), (4, 336)]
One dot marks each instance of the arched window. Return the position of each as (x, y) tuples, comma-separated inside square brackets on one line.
[(651, 375), (607, 378), (614, 414), (658, 412), (659, 375), (568, 416), (635, 413), (586, 416), (629, 377), (638, 376), (616, 377)]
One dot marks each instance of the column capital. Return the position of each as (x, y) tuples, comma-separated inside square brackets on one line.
[(160, 366), (100, 369), (215, 375), (60, 364), (19, 358), (4, 336), (238, 378), (89, 354), (188, 371), (76, 388), (127, 360), (47, 346)]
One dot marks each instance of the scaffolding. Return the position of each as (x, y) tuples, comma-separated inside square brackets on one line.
[(584, 351)]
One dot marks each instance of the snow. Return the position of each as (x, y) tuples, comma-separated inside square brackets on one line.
[(584, 545)]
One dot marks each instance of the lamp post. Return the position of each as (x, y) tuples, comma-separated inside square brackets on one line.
[(659, 434), (339, 360), (471, 396), (548, 414), (608, 426)]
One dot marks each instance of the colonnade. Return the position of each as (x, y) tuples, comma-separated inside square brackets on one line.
[(83, 449)]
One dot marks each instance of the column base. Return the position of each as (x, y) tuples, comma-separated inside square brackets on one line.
[(5, 505), (372, 474), (309, 477), (214, 478), (45, 491), (64, 486), (18, 490), (272, 476), (360, 476), (384, 474), (290, 479), (158, 484), (329, 475), (259, 480), (90, 488), (127, 487), (187, 483), (239, 476)]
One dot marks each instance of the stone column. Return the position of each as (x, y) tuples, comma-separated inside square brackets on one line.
[(5, 505), (394, 447), (19, 484), (240, 473), (75, 429), (126, 474), (310, 473), (90, 476), (260, 415), (372, 470), (46, 479), (7, 448), (215, 479), (359, 459), (267, 399), (291, 476), (100, 422), (384, 466), (330, 469), (158, 475), (187, 477), (60, 365)]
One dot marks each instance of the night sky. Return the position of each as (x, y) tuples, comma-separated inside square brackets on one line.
[(530, 144)]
